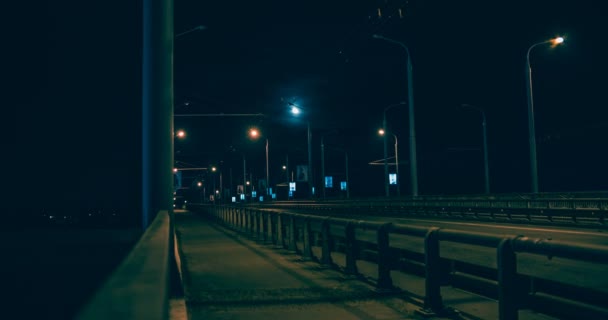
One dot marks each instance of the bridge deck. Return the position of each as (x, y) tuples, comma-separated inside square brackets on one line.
[(229, 276)]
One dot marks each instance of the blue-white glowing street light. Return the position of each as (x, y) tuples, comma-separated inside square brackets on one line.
[(295, 110)]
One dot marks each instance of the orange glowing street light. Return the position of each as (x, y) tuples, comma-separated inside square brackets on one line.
[(254, 133), (180, 134), (383, 133), (557, 40), (531, 131)]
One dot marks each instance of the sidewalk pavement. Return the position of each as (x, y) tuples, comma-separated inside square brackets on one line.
[(228, 276)]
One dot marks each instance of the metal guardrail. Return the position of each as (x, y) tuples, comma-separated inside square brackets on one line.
[(297, 232), (140, 287), (578, 211)]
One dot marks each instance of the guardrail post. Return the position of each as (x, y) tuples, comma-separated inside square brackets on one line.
[(243, 219), (432, 292), (280, 231), (307, 250), (262, 228), (270, 228), (384, 259), (351, 249), (292, 234), (249, 221), (326, 245), (256, 227), (507, 280)]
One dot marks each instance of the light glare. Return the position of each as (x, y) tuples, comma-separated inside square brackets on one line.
[(254, 133)]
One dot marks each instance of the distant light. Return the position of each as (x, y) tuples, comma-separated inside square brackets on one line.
[(181, 134), (213, 169), (200, 184), (174, 169), (558, 40), (295, 110), (284, 167), (381, 132), (254, 133), (217, 191)]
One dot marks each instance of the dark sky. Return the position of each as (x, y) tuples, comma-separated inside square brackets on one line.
[(77, 126)]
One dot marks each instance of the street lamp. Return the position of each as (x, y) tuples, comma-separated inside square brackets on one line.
[(181, 134), (385, 149), (531, 130), (323, 159), (213, 170), (254, 133), (199, 184), (486, 168), (410, 103), (382, 132), (295, 110)]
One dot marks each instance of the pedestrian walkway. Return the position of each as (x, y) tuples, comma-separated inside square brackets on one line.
[(228, 276)]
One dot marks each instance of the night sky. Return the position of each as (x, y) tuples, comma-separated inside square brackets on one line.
[(77, 127)]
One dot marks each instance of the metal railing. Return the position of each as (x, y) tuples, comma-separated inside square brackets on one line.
[(581, 211), (514, 291)]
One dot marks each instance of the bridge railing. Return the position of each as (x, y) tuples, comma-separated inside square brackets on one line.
[(386, 245), (140, 287), (581, 211)]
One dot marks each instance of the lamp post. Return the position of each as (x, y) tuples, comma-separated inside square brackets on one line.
[(531, 129), (410, 103), (323, 159), (267, 173), (486, 167), (213, 169), (347, 181), (296, 111), (386, 189), (254, 133), (382, 132), (323, 165)]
